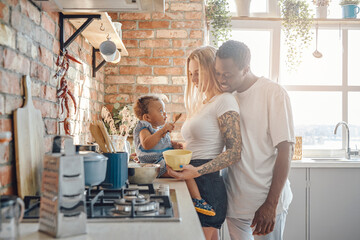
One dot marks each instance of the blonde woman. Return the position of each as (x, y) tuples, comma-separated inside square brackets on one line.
[(212, 123)]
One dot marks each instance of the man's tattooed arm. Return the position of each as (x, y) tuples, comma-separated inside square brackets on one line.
[(230, 128)]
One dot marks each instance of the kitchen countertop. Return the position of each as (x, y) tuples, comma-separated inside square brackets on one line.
[(325, 163), (188, 228)]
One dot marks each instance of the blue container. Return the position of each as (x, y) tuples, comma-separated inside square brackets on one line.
[(117, 169), (350, 11)]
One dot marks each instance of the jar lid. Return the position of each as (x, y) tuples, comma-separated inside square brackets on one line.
[(5, 137), (7, 200), (92, 156)]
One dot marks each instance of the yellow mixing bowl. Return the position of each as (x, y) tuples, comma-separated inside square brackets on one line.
[(175, 158)]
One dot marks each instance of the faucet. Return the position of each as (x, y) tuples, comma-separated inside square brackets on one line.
[(348, 151)]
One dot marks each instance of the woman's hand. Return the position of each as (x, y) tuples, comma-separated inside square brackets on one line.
[(189, 172), (177, 145)]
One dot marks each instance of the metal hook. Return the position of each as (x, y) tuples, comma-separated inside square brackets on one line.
[(108, 36), (102, 28)]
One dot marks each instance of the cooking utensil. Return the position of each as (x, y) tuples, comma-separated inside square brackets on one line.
[(143, 173), (94, 167), (108, 142), (29, 145), (117, 169), (177, 116), (316, 53), (99, 138)]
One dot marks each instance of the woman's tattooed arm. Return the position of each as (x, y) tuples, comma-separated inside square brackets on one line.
[(230, 128)]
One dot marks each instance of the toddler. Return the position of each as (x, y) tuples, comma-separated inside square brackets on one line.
[(152, 138)]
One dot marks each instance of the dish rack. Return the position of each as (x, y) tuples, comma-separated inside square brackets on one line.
[(63, 204)]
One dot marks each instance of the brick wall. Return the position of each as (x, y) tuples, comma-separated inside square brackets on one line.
[(158, 45), (29, 44)]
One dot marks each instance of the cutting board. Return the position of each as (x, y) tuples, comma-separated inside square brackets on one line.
[(29, 145)]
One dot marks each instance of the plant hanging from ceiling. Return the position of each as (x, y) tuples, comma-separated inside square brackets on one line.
[(218, 15), (296, 26)]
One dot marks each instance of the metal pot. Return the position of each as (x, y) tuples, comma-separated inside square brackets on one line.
[(94, 167), (143, 173)]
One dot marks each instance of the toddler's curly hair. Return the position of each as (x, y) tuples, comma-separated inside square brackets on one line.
[(141, 105)]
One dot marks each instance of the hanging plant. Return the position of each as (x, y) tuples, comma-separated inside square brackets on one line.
[(218, 15), (296, 26)]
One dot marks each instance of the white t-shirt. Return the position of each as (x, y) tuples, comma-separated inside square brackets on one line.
[(265, 121), (202, 132)]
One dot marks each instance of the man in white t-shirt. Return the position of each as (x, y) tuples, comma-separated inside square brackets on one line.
[(257, 186)]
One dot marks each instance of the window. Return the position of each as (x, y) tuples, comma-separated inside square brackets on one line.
[(324, 90)]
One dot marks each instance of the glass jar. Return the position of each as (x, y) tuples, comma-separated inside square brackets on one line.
[(11, 213)]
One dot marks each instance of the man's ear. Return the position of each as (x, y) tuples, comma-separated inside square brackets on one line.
[(246, 70)]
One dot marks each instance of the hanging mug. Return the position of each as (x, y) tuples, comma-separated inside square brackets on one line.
[(108, 50), (11, 213)]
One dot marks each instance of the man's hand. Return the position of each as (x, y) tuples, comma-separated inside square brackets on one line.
[(264, 219), (177, 145), (189, 172)]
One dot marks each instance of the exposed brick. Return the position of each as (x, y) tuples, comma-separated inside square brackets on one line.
[(119, 79), (111, 89), (177, 98), (196, 34), (6, 124), (187, 43), (193, 15), (135, 16), (50, 126), (175, 107), (167, 15), (135, 70), (113, 15), (6, 175), (179, 80), (12, 3), (16, 62), (111, 70), (129, 61), (168, 71), (157, 43), (138, 34), (186, 7), (138, 52), (155, 61), (4, 12), (13, 103), (7, 36), (47, 23), (46, 56), (117, 98), (171, 33), (179, 61), (10, 83), (152, 80), (30, 11), (128, 25), (187, 24), (166, 89), (2, 104), (168, 53), (154, 25), (49, 93), (132, 89), (130, 43)]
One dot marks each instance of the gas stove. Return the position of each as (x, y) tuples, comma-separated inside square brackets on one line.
[(133, 203)]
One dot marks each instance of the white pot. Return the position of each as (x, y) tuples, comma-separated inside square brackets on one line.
[(243, 7), (322, 11)]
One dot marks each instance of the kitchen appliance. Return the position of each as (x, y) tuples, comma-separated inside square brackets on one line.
[(103, 6), (94, 167), (62, 205), (132, 203), (11, 213)]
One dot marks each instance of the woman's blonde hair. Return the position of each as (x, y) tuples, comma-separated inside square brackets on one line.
[(195, 96)]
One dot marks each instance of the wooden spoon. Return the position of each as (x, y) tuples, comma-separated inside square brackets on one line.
[(96, 133), (177, 116)]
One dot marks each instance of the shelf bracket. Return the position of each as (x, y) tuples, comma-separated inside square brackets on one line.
[(64, 45), (94, 67)]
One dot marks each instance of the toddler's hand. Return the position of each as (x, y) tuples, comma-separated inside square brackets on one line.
[(177, 145), (168, 127)]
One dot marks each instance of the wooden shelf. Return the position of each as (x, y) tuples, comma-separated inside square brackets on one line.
[(94, 35), (316, 20)]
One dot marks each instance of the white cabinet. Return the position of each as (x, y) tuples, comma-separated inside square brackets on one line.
[(295, 228), (326, 204), (334, 203)]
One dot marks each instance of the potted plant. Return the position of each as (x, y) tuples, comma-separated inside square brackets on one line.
[(349, 8), (321, 8), (296, 26), (218, 15)]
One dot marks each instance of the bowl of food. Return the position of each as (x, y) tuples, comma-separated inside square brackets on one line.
[(176, 157), (142, 173)]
